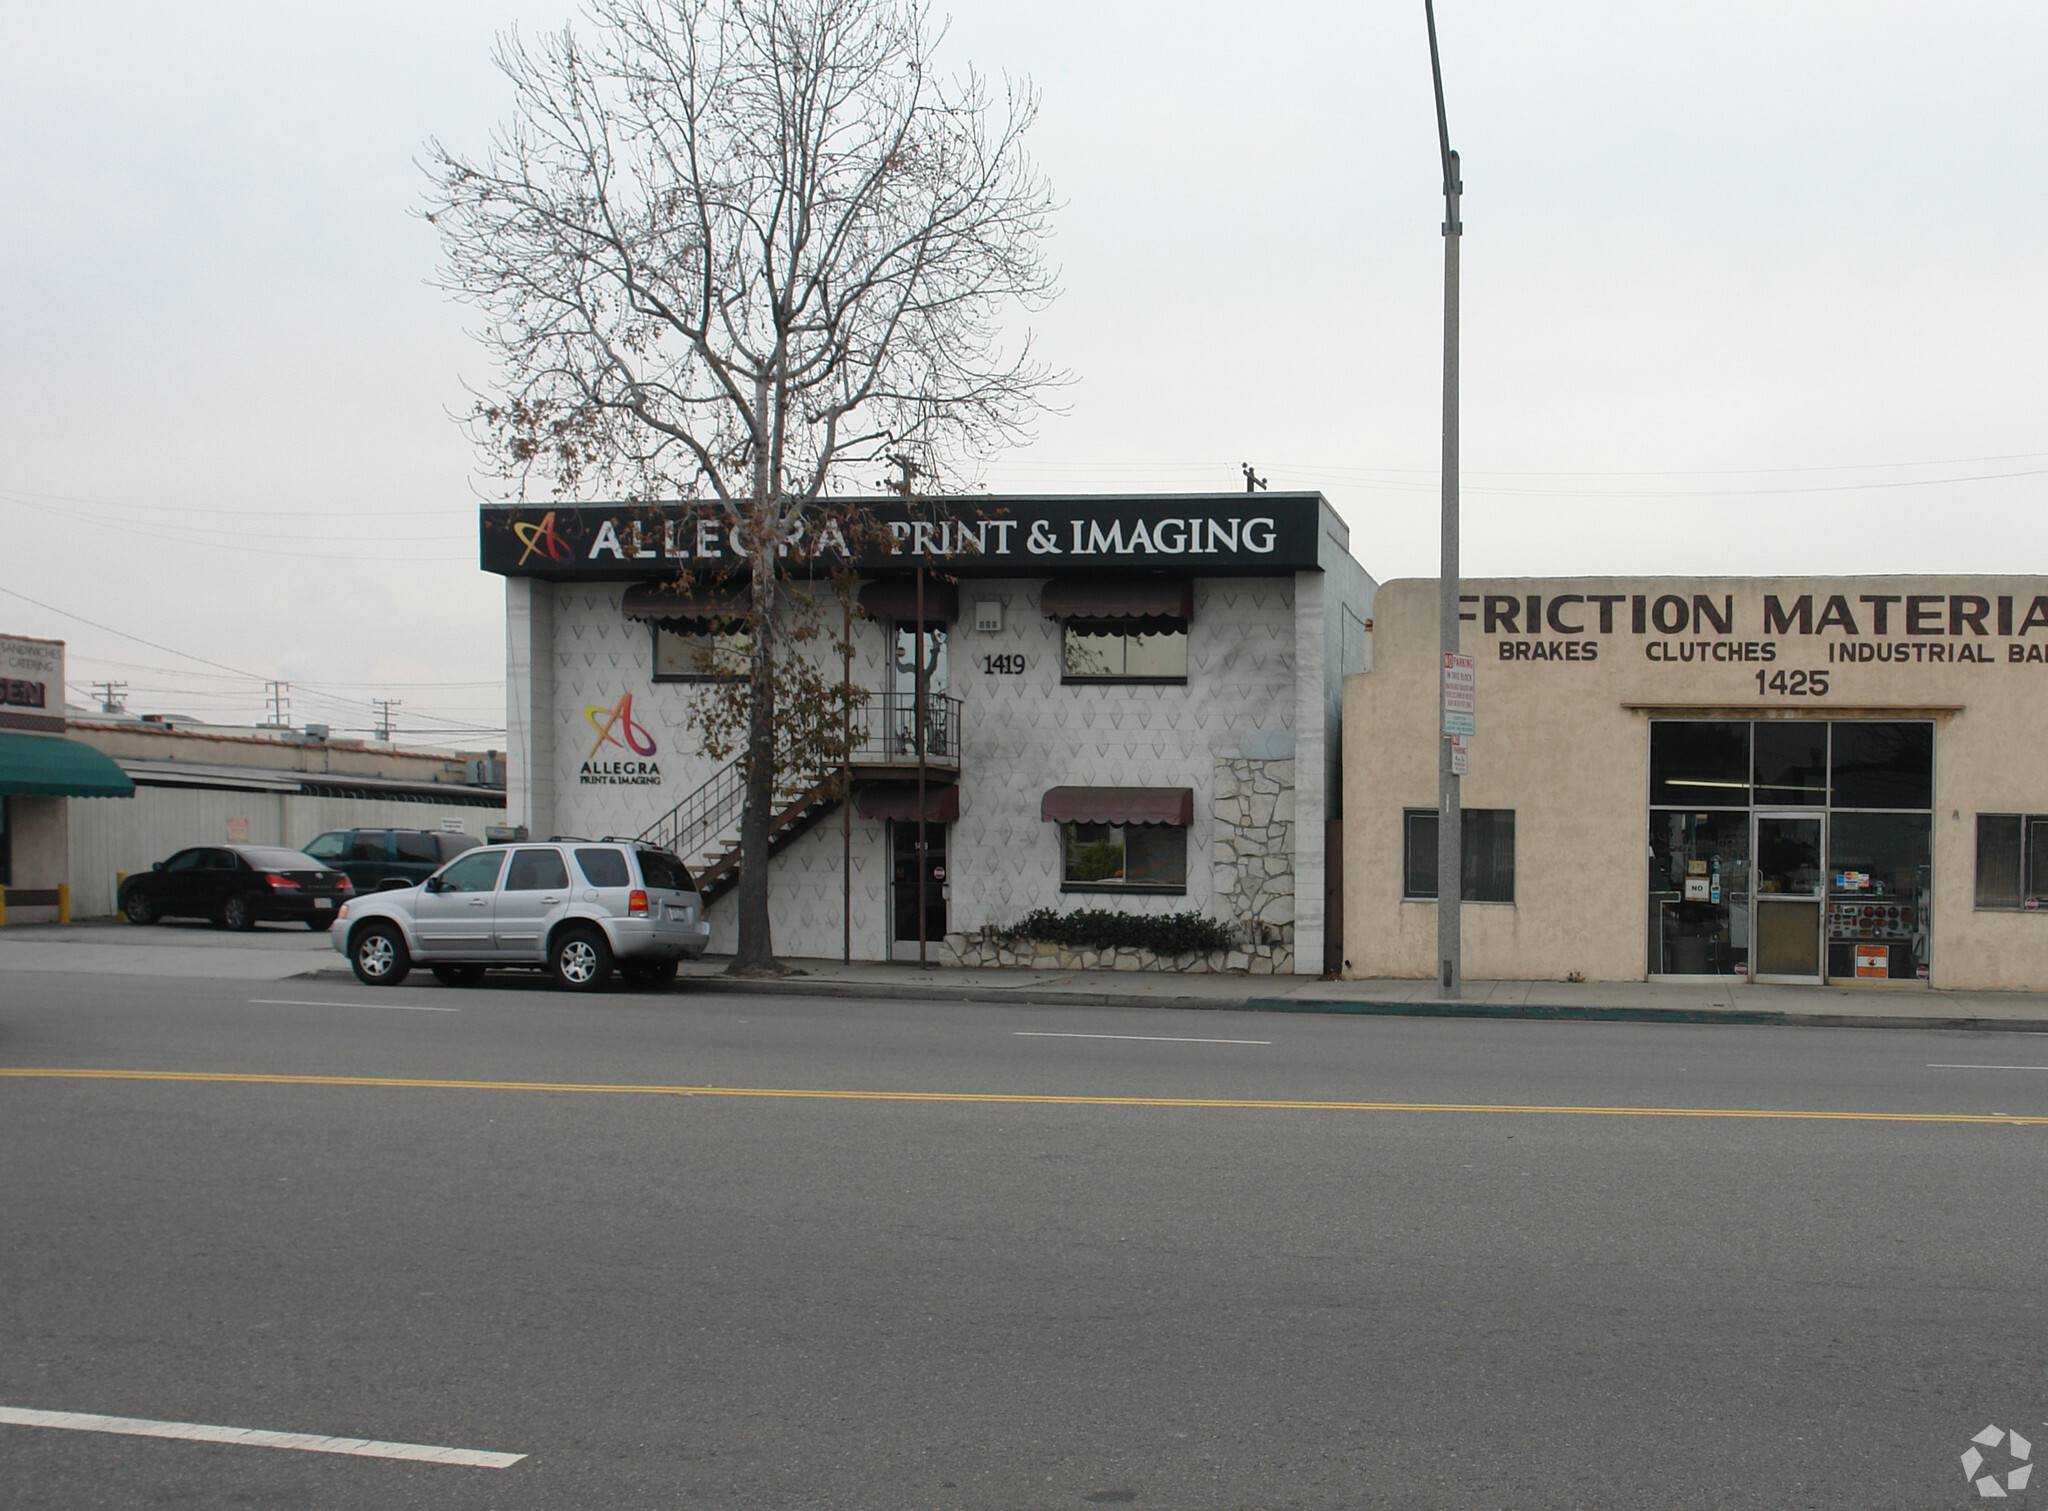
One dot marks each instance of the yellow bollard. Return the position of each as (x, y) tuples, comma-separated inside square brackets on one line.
[(63, 902), (3, 907)]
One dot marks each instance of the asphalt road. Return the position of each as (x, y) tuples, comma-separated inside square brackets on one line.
[(716, 1297)]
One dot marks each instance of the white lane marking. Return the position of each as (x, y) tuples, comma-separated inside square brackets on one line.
[(1147, 1038), (249, 1437), (389, 1007), (1988, 1067)]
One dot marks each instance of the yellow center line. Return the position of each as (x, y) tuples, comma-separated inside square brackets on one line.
[(1013, 1098)]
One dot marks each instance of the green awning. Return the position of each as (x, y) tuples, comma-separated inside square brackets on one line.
[(52, 766)]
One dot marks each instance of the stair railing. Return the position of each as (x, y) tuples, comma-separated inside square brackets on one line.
[(698, 818)]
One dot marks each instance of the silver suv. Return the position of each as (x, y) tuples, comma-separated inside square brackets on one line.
[(575, 908)]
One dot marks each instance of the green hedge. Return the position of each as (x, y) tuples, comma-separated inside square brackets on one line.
[(1099, 929)]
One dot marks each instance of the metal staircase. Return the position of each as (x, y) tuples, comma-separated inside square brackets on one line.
[(703, 830)]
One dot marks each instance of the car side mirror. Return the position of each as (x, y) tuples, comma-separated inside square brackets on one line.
[(156, 865), (435, 884)]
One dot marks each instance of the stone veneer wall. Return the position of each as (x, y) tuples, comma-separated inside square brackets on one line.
[(981, 947), (1252, 841)]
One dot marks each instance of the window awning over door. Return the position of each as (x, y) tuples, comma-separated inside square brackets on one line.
[(52, 766), (1120, 598), (898, 800), (896, 598), (1118, 805), (662, 603)]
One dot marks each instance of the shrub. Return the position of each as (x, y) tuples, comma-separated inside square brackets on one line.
[(1188, 933)]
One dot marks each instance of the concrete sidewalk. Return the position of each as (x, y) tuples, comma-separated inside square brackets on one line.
[(1640, 1001)]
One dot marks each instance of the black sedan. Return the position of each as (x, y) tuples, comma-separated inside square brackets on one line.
[(237, 885)]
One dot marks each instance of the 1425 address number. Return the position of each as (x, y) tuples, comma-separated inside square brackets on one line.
[(1793, 684)]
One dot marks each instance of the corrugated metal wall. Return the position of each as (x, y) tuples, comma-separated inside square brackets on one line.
[(111, 836)]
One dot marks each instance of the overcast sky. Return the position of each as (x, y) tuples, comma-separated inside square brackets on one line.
[(1748, 288)]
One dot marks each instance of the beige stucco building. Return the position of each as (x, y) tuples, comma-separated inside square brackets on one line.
[(1799, 779)]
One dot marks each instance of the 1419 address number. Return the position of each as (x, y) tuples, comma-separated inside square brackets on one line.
[(1002, 666)]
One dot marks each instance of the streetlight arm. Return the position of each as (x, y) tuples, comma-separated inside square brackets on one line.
[(1443, 127)]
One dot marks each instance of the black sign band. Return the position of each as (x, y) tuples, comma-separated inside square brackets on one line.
[(1232, 535)]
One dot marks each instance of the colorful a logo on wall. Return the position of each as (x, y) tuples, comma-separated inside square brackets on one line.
[(616, 726)]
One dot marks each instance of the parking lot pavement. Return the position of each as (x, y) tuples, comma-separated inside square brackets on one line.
[(269, 952)]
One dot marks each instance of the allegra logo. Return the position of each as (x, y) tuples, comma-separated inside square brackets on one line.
[(541, 538), (616, 726)]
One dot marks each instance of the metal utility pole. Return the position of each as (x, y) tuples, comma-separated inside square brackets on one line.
[(1450, 845), (919, 727), (846, 769)]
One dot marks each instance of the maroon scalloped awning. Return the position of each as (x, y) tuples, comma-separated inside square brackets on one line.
[(1119, 598), (1118, 805), (896, 598), (898, 800), (659, 602)]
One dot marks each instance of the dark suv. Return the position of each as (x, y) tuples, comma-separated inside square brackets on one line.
[(377, 860)]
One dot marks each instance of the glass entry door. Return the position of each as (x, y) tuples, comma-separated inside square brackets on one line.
[(903, 888), (908, 649), (1787, 897)]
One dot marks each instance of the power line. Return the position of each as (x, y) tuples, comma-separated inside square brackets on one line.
[(188, 655)]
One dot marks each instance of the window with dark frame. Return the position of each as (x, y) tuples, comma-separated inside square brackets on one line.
[(2012, 862), (708, 652), (1868, 785), (1488, 841), (1123, 858), (1123, 650)]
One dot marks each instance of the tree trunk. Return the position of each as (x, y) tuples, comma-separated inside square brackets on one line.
[(754, 954)]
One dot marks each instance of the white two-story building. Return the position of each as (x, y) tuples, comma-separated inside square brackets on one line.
[(1132, 703)]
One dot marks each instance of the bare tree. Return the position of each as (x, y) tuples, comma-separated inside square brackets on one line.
[(727, 248)]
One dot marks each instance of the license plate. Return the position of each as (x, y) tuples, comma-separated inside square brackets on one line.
[(323, 902)]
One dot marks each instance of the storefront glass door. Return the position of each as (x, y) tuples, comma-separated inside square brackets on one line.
[(1789, 883)]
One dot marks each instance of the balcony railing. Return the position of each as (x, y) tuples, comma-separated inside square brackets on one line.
[(885, 731)]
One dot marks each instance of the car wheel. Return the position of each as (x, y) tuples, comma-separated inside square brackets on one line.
[(651, 975), (238, 915), (378, 955), (320, 925), (458, 975), (581, 960), (138, 907)]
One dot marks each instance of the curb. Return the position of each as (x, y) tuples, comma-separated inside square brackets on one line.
[(1752, 1017), (1383, 1008), (721, 986), (1029, 996)]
